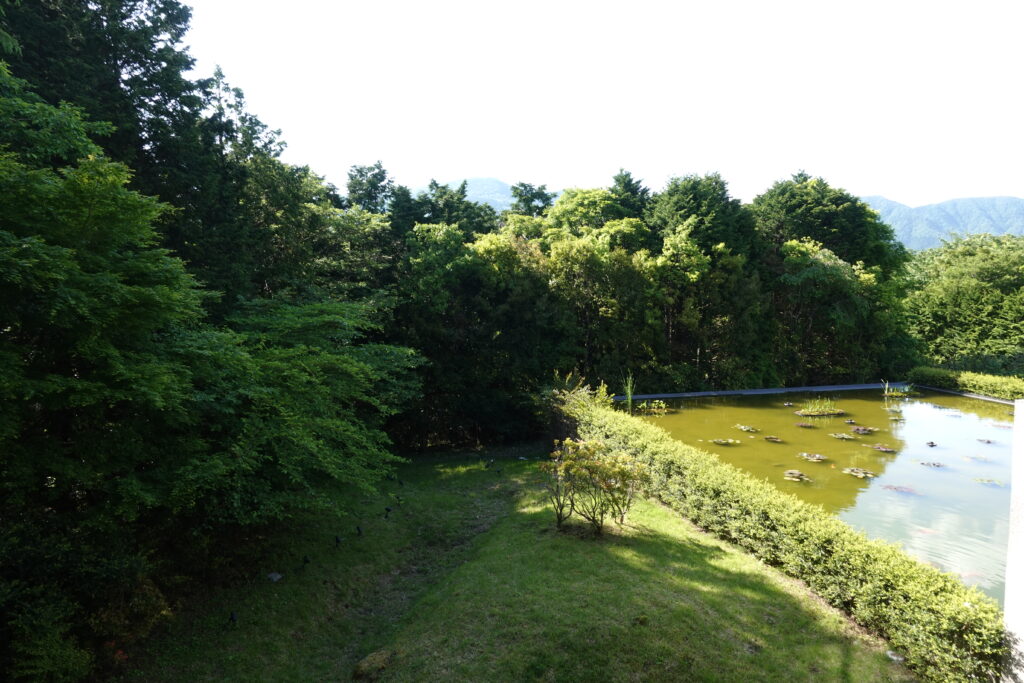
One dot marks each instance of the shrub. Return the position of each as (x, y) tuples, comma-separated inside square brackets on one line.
[(586, 478), (998, 386), (946, 630)]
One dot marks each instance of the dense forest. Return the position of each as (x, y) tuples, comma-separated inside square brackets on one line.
[(198, 339)]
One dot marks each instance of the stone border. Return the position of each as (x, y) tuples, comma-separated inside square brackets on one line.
[(759, 392), (827, 387), (993, 399)]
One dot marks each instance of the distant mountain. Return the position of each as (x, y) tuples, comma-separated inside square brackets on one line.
[(924, 227), (491, 191)]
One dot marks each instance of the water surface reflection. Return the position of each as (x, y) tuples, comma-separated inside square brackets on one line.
[(947, 504)]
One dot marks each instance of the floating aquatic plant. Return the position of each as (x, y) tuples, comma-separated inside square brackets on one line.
[(977, 458), (773, 439), (859, 472), (988, 441), (811, 457), (881, 447), (746, 428), (795, 475), (805, 425), (989, 482), (842, 437), (819, 407), (933, 464), (900, 392), (864, 430), (654, 408), (725, 442)]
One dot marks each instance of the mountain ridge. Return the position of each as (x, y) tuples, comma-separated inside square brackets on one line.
[(924, 227)]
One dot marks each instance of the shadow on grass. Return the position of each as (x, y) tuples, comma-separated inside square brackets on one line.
[(366, 567), (656, 601), (467, 579)]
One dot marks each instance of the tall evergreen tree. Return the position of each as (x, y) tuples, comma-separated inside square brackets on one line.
[(630, 194)]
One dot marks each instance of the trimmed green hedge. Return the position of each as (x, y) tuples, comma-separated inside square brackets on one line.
[(998, 386), (946, 630)]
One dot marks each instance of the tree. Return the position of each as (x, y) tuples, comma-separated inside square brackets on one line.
[(630, 194), (806, 207), (530, 200), (718, 218), (837, 322), (442, 204), (86, 387), (134, 435), (578, 211), (121, 61), (730, 335), (966, 303), (370, 187), (404, 211)]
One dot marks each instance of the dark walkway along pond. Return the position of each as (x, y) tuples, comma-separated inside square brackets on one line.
[(946, 504)]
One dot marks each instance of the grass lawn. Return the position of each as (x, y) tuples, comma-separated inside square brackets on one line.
[(467, 579)]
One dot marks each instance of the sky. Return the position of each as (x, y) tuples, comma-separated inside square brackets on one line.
[(917, 101)]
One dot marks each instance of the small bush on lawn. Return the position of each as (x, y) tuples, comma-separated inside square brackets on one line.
[(997, 386), (946, 630), (589, 479)]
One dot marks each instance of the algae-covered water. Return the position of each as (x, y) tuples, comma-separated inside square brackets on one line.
[(946, 504)]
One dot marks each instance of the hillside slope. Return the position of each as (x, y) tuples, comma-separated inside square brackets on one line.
[(925, 227)]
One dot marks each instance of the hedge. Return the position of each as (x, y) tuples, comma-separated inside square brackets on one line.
[(945, 630), (998, 386)]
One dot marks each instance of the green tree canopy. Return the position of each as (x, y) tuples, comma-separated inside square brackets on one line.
[(718, 218), (578, 211), (370, 187), (530, 200), (806, 207), (966, 303), (630, 194)]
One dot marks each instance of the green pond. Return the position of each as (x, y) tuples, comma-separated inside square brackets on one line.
[(947, 504)]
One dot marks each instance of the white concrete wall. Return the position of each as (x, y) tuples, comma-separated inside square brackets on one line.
[(1014, 602)]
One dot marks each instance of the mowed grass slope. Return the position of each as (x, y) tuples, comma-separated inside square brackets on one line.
[(467, 579)]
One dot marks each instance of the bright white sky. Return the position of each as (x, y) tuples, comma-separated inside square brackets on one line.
[(919, 101)]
